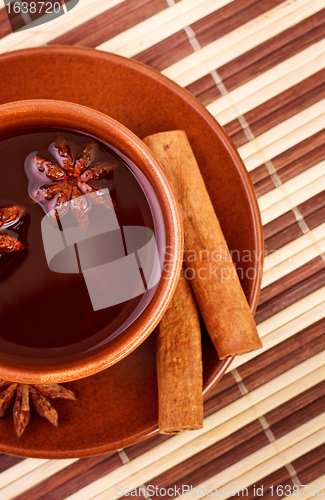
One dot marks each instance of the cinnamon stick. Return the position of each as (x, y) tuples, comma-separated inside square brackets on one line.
[(179, 364), (208, 262)]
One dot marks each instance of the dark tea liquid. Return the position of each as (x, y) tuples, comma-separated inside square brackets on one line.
[(47, 316)]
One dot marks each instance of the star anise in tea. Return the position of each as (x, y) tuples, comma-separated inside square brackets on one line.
[(8, 217), (21, 397), (70, 180)]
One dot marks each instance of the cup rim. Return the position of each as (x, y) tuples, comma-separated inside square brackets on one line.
[(20, 116)]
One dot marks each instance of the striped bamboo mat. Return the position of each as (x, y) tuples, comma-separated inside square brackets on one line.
[(259, 67)]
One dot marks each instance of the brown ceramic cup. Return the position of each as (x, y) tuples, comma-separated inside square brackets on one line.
[(31, 116)]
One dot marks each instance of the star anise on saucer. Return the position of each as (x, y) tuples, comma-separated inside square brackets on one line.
[(21, 397), (70, 180), (8, 217)]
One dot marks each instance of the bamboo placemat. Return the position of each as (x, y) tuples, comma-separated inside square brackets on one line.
[(259, 67)]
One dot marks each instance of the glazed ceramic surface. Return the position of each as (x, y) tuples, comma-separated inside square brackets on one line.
[(27, 116), (118, 406)]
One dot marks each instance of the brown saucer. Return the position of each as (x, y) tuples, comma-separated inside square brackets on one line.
[(118, 406)]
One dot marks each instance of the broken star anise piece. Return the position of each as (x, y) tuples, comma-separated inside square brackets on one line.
[(8, 217), (21, 397), (69, 180)]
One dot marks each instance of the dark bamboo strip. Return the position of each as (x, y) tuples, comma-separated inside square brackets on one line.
[(258, 174), (213, 26), (67, 474), (221, 400), (236, 132), (261, 489), (213, 459), (282, 111), (309, 475), (280, 239), (307, 161), (279, 224), (16, 22), (7, 461), (313, 205), (299, 150), (294, 405), (268, 54), (208, 96), (271, 493), (293, 231), (229, 18), (299, 418), (224, 384), (167, 52), (264, 116), (292, 170), (285, 356), (282, 350), (311, 466), (5, 27), (311, 210), (110, 23), (302, 354), (293, 156), (72, 479), (41, 10), (310, 206), (233, 127), (239, 139), (273, 51), (3, 15), (292, 100), (303, 163), (315, 219), (264, 186), (202, 87), (289, 297), (286, 282), (309, 462)]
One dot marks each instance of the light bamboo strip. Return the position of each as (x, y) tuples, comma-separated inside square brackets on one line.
[(293, 263), (241, 40), (161, 26), (277, 140), (296, 373), (44, 33), (283, 333), (292, 186), (168, 454), (294, 247), (292, 201), (307, 490), (265, 461), (286, 393), (24, 483), (263, 454), (291, 312), (269, 84), (21, 469), (295, 260)]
